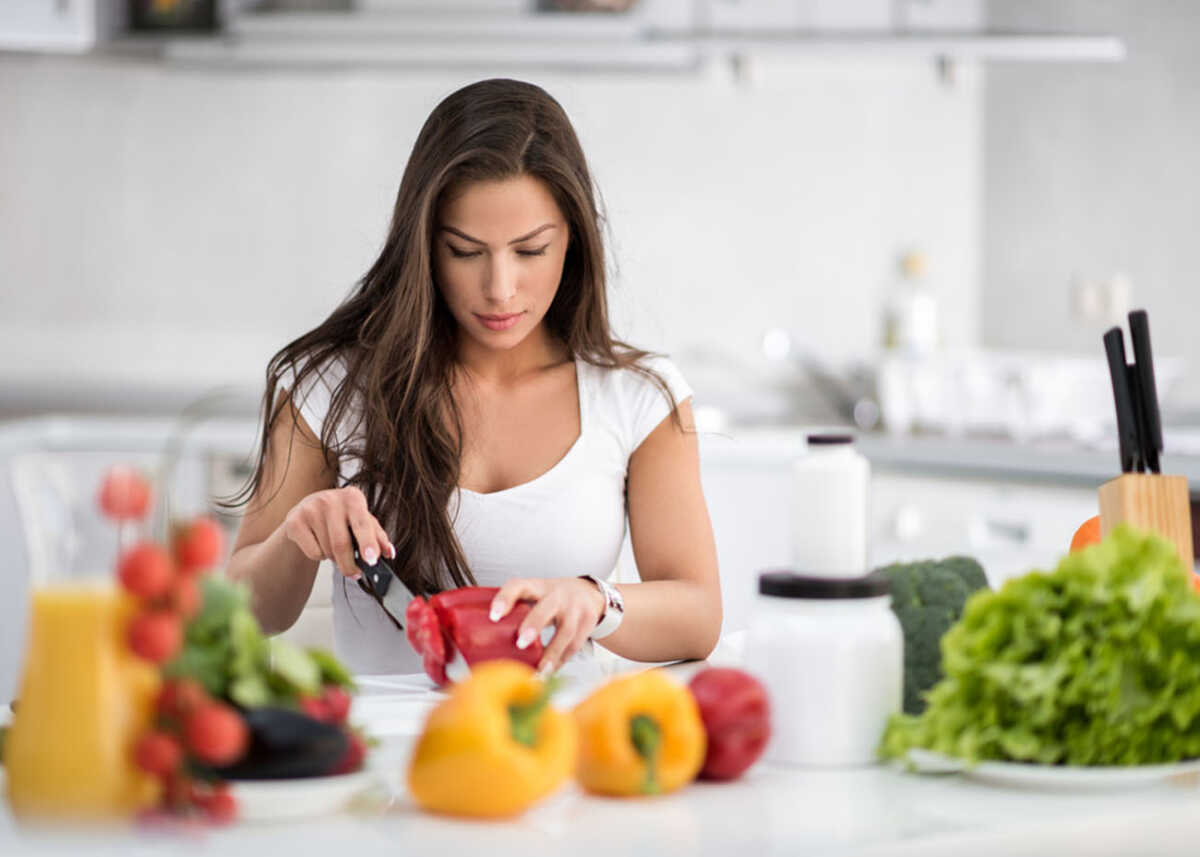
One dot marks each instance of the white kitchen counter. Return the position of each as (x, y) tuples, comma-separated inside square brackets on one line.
[(769, 811), (1058, 463)]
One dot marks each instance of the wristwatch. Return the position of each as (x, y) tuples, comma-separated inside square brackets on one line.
[(614, 608)]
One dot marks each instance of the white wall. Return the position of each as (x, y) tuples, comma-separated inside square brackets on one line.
[(161, 225), (1091, 170)]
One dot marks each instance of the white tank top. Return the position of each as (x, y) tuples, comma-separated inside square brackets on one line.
[(571, 520)]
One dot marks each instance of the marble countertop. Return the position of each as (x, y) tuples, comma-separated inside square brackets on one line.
[(769, 811)]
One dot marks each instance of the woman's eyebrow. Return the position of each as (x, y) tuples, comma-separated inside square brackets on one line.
[(524, 237)]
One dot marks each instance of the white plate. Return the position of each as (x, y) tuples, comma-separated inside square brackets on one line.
[(273, 800), (1074, 777)]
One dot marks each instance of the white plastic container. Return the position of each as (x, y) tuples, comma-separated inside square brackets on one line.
[(831, 655), (829, 508)]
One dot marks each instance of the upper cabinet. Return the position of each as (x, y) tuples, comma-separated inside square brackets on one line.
[(649, 35)]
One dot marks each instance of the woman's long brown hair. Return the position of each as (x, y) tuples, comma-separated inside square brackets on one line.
[(396, 337)]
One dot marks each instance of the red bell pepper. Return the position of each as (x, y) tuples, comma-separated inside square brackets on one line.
[(733, 705), (458, 621)]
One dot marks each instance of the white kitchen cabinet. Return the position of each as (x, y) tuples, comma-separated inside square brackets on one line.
[(1010, 527)]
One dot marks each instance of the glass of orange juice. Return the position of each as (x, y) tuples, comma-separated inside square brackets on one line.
[(84, 698)]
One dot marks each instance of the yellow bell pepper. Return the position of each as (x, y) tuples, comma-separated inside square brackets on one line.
[(639, 734), (494, 747)]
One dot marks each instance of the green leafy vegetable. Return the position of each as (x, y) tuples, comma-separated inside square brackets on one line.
[(226, 651), (250, 691), (928, 598), (332, 670), (1096, 663), (295, 667)]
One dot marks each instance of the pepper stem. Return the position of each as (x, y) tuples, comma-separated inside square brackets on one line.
[(525, 717), (646, 737)]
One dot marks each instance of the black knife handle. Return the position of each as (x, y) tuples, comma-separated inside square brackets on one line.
[(375, 581), (1151, 417), (1127, 439), (380, 575), (1135, 396)]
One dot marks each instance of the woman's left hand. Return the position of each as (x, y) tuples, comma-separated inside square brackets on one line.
[(571, 604)]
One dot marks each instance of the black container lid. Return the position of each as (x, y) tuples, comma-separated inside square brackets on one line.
[(829, 439), (787, 584)]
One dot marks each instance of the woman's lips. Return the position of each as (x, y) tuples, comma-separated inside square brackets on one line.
[(498, 322)]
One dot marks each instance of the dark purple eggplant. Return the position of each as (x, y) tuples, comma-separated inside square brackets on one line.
[(285, 744)]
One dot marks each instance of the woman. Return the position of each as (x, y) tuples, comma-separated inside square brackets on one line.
[(467, 412)]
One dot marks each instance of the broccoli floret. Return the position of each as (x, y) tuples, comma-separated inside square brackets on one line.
[(968, 569), (928, 597), (923, 630)]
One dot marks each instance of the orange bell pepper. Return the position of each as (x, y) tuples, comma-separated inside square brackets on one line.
[(494, 747), (639, 734)]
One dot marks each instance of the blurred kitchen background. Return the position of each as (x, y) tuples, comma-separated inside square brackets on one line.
[(912, 217)]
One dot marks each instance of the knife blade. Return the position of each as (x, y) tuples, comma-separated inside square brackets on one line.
[(1127, 431), (1150, 421), (381, 583)]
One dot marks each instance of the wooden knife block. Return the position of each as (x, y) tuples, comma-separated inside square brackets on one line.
[(1150, 501)]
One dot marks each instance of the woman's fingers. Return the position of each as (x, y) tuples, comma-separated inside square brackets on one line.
[(513, 591), (542, 614), (578, 640), (367, 533), (385, 543), (558, 651), (334, 534), (321, 525), (304, 538)]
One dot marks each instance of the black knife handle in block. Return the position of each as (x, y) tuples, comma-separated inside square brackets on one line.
[(1127, 438), (1148, 410), (1135, 396)]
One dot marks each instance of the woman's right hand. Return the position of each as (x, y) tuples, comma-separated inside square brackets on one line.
[(321, 523)]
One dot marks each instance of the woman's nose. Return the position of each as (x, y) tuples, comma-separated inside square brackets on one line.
[(501, 283)]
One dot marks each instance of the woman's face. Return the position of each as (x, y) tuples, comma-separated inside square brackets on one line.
[(498, 258)]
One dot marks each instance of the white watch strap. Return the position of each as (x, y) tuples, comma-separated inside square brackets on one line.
[(614, 608)]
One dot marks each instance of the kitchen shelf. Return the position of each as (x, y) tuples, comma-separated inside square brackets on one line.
[(579, 41)]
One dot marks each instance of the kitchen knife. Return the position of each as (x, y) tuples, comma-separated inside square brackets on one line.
[(381, 583), (1127, 431), (1148, 411)]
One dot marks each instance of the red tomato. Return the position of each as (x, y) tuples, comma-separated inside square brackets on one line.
[(216, 734), (156, 635), (316, 708), (158, 753), (199, 545), (356, 753), (337, 703), (220, 807), (124, 494), (179, 697), (736, 714), (145, 570), (184, 597)]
